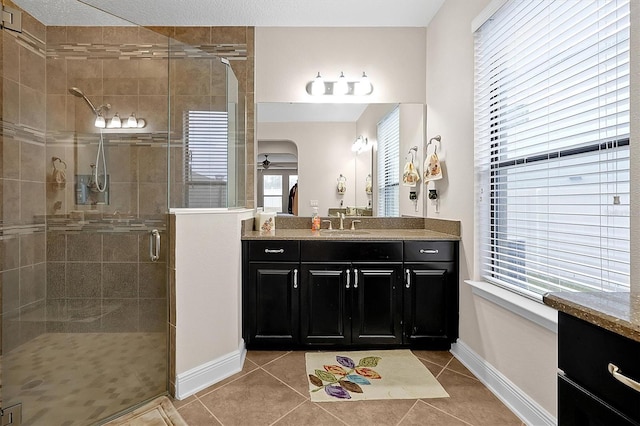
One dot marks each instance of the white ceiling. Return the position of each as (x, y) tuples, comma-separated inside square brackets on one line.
[(260, 13)]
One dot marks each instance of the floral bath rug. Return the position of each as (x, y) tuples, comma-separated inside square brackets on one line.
[(369, 375)]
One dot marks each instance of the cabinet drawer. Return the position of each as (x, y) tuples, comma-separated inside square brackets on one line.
[(429, 251), (584, 354), (351, 251), (274, 250)]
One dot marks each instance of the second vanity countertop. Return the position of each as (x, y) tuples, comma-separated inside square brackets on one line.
[(618, 312), (369, 229)]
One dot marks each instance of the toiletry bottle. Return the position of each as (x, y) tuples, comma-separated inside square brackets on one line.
[(315, 220)]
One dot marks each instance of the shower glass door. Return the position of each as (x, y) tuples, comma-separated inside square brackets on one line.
[(84, 306)]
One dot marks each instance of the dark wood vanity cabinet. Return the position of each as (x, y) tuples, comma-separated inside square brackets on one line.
[(430, 294), (271, 298), (349, 294), (351, 304), (588, 391)]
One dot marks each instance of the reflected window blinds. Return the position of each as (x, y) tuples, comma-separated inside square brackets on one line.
[(389, 164), (205, 167)]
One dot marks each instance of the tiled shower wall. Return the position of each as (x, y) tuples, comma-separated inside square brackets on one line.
[(90, 271), (22, 259)]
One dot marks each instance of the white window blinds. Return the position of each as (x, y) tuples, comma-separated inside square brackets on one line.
[(389, 164), (552, 146), (205, 168)]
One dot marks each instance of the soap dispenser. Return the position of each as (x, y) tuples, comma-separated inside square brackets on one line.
[(315, 220)]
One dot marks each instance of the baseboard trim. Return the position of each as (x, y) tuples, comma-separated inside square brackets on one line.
[(209, 373), (511, 395)]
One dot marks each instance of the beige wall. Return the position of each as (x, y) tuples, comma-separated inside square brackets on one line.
[(288, 58), (522, 351)]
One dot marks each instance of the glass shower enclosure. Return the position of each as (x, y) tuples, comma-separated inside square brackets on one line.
[(103, 129)]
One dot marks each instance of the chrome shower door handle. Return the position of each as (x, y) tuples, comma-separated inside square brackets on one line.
[(154, 245)]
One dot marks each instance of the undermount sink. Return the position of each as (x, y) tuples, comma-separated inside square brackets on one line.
[(343, 232)]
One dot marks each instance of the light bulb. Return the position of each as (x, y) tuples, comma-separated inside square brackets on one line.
[(341, 86), (100, 123), (364, 86), (115, 122), (132, 122), (317, 86)]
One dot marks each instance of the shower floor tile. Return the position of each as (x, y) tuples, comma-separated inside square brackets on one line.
[(79, 378)]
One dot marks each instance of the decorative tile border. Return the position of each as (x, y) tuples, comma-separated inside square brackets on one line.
[(232, 52)]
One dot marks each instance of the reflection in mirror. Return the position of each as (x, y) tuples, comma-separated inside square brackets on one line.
[(277, 173), (323, 136)]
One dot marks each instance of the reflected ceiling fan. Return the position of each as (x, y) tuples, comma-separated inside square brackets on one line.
[(266, 163)]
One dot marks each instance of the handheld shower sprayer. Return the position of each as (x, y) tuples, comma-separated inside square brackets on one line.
[(100, 154)]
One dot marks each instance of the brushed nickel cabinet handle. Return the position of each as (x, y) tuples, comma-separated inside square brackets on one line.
[(295, 278), (615, 372), (428, 251), (408, 277), (355, 278), (348, 277), (271, 251)]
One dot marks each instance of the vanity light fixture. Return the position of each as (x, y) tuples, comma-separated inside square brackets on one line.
[(100, 122), (115, 122), (317, 86), (341, 87), (132, 122)]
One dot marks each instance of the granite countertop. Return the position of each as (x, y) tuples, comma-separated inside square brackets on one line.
[(368, 229), (618, 312), (357, 235)]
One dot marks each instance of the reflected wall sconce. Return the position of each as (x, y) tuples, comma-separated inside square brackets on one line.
[(342, 86), (360, 144)]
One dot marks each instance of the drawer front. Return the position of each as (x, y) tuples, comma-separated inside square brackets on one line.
[(351, 251), (429, 251), (584, 354), (274, 250)]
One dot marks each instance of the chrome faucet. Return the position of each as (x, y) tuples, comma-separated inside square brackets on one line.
[(341, 221), (353, 224)]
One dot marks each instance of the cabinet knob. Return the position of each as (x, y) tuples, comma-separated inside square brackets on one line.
[(348, 277)]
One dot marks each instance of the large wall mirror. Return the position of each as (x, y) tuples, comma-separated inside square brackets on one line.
[(322, 137)]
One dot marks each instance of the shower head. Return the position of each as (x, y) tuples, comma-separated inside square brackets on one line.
[(77, 92)]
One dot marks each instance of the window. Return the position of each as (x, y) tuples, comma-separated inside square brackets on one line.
[(389, 164), (552, 146), (205, 167)]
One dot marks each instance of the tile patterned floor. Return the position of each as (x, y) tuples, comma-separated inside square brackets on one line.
[(272, 390), (83, 377)]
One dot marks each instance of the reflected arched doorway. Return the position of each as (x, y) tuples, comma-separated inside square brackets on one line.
[(277, 173)]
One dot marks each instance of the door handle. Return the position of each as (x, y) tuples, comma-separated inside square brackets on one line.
[(154, 245), (408, 272), (355, 278), (348, 277), (295, 278)]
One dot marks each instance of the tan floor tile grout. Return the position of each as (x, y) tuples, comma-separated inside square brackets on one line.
[(230, 381), (330, 413), (471, 376), (284, 383), (288, 412), (447, 413), (407, 413)]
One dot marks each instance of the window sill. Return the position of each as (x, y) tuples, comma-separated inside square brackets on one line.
[(529, 309)]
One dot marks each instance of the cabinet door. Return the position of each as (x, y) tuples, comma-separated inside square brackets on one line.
[(273, 304), (377, 304), (325, 304), (430, 304), (578, 407)]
